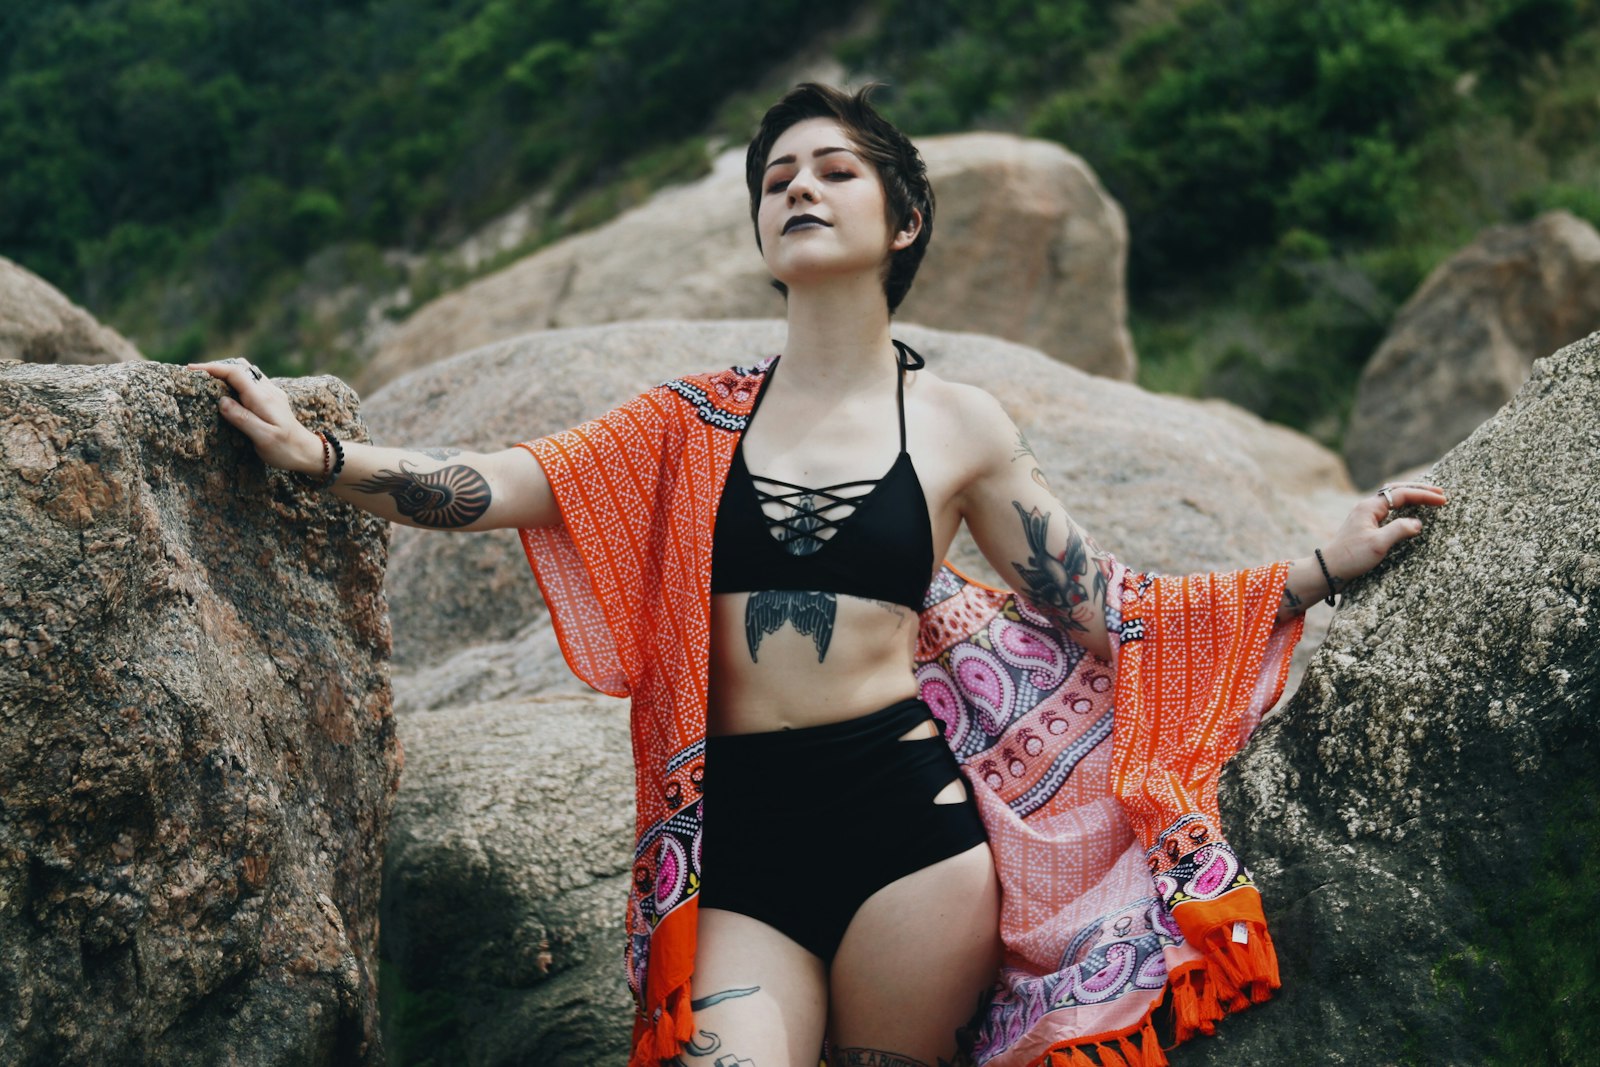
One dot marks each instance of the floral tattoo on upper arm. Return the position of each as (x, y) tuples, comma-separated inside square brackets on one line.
[(1067, 586)]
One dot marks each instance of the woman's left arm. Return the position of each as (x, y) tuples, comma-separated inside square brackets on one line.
[(1026, 533), (1028, 536), (1360, 544)]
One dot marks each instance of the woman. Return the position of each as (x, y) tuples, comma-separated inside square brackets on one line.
[(843, 886)]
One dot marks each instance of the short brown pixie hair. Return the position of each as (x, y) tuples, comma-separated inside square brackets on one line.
[(896, 159)]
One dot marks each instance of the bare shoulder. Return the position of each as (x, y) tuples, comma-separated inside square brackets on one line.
[(984, 424)]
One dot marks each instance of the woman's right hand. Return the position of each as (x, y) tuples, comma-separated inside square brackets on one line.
[(262, 413)]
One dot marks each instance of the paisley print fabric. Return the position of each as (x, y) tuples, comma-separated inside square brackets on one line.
[(1107, 910)]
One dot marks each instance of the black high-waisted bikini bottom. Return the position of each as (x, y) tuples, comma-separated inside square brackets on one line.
[(802, 826)]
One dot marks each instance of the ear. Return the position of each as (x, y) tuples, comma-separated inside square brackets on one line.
[(908, 232)]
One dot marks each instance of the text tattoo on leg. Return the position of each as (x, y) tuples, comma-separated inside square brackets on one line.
[(445, 499)]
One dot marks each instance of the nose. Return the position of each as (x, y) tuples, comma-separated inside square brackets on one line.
[(801, 187)]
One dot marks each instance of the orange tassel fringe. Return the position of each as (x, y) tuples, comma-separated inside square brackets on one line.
[(1119, 1051), (1230, 977), (672, 1030)]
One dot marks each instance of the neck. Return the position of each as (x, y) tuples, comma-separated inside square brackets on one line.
[(838, 338)]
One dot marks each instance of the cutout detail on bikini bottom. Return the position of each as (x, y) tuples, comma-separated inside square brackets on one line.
[(955, 792), (926, 728)]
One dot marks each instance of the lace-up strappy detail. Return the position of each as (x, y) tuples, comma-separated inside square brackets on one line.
[(870, 537), (810, 517)]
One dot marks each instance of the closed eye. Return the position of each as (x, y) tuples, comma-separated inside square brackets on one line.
[(837, 176)]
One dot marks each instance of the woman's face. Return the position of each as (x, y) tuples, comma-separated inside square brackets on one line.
[(822, 209)]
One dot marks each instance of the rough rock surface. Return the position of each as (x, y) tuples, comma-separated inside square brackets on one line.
[(1465, 341), (1027, 245), (197, 750), (504, 881), (38, 324), (1167, 483), (1421, 814)]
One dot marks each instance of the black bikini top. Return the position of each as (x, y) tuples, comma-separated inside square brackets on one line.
[(869, 538)]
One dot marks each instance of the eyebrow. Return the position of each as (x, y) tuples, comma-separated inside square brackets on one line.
[(818, 154)]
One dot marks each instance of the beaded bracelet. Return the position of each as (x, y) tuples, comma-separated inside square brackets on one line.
[(331, 448), (1328, 600)]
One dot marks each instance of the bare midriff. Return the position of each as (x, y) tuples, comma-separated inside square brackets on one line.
[(867, 665)]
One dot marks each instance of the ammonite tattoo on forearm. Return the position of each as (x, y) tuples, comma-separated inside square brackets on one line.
[(445, 499)]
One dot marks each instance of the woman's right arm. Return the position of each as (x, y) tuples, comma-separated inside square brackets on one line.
[(434, 489)]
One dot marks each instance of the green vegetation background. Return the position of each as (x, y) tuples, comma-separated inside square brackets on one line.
[(203, 173)]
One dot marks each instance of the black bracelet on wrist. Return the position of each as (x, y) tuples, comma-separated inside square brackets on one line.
[(1328, 600), (332, 473)]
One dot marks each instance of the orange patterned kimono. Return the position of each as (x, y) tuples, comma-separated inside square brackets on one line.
[(1097, 781)]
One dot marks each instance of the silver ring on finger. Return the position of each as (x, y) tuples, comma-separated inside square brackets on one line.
[(246, 364), (1388, 495)]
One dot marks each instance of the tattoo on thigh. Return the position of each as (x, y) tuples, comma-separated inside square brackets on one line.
[(729, 1060), (875, 1057), (706, 1043), (702, 1003)]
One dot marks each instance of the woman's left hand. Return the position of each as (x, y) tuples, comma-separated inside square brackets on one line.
[(1367, 534), (1365, 537)]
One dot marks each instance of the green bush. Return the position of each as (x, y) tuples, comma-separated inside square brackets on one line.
[(256, 132), (1296, 166), (1299, 163)]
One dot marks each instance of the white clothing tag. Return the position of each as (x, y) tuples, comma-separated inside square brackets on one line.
[(1241, 933)]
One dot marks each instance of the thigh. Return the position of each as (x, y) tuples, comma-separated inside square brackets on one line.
[(915, 963), (760, 1000)]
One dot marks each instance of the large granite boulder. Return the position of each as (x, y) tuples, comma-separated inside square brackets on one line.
[(1027, 245), (38, 324), (1465, 341), (1423, 817), (492, 718), (197, 750), (506, 873)]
